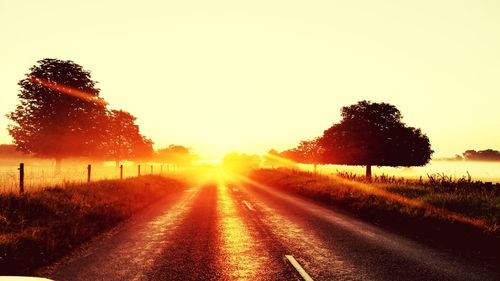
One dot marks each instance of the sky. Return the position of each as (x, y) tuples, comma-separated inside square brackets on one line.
[(220, 76)]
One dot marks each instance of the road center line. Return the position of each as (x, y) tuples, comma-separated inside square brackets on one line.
[(248, 205), (299, 268)]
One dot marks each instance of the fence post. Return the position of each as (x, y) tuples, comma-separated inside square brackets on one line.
[(21, 177), (121, 171), (138, 170), (89, 172), (151, 169)]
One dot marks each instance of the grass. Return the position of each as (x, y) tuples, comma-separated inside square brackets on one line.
[(38, 227), (472, 199), (453, 214)]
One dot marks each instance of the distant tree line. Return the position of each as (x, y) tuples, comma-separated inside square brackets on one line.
[(369, 134), (482, 155), (9, 151), (241, 162), (61, 115), (175, 154)]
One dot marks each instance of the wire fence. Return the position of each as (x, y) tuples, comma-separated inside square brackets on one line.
[(32, 177)]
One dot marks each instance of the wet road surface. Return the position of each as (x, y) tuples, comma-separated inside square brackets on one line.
[(231, 231)]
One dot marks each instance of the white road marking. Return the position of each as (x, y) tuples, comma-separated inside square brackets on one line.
[(248, 205), (299, 268)]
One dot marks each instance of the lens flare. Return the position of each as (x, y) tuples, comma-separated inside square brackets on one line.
[(68, 90)]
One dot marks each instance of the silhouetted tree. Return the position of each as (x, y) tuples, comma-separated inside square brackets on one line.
[(373, 134), (60, 113), (482, 155), (123, 139), (307, 152)]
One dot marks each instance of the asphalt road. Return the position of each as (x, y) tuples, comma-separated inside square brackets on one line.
[(249, 232)]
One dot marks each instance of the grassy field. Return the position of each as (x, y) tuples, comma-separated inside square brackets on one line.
[(450, 213), (38, 227)]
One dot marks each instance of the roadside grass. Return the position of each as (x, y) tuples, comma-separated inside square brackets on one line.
[(454, 216), (38, 227), (472, 199), (481, 204)]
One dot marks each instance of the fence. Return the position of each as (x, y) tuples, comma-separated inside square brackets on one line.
[(30, 177)]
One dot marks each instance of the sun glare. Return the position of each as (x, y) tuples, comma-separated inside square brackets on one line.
[(239, 253)]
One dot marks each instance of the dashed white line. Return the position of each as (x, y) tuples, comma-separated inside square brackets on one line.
[(248, 205), (299, 268)]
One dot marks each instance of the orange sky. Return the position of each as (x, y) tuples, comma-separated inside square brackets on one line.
[(253, 75)]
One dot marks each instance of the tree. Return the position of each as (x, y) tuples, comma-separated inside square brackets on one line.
[(176, 154), (143, 148), (482, 155), (307, 152), (123, 139), (374, 134), (60, 113)]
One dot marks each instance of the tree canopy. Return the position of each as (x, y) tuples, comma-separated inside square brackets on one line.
[(123, 140), (59, 111), (374, 134), (61, 115), (368, 134)]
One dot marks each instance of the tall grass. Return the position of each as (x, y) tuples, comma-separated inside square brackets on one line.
[(484, 171), (474, 199)]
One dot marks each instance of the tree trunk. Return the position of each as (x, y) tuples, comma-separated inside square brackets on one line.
[(58, 166), (369, 172), (117, 163), (315, 168)]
